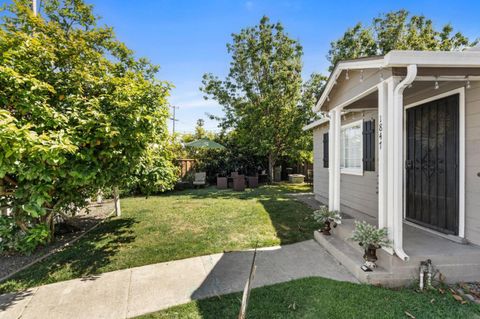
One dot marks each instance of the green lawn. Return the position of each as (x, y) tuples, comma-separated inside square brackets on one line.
[(178, 225), (325, 298)]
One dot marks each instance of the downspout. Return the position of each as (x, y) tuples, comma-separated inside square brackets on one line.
[(398, 156)]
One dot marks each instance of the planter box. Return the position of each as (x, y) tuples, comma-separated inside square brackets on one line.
[(222, 182), (239, 183), (252, 181), (296, 178)]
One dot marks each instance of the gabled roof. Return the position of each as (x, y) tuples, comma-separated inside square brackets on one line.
[(395, 58)]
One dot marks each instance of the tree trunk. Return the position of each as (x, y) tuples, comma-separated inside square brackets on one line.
[(116, 199), (51, 225), (271, 167)]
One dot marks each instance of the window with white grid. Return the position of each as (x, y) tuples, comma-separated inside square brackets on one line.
[(351, 150)]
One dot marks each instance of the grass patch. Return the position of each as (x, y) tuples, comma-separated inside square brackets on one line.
[(178, 225), (325, 298)]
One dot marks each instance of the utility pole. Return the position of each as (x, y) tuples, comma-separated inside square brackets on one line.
[(34, 7), (173, 118)]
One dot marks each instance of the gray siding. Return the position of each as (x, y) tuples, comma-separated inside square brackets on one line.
[(357, 193), (320, 174), (472, 163)]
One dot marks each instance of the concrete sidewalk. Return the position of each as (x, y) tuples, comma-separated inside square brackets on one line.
[(136, 291)]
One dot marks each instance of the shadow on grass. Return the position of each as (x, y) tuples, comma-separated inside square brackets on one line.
[(317, 297), (230, 272), (85, 258)]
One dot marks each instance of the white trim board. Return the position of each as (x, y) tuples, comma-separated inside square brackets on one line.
[(461, 150), (352, 171)]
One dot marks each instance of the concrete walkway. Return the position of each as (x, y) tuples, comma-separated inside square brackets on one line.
[(136, 291)]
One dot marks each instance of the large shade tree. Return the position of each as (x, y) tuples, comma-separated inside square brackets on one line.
[(262, 93), (397, 30), (78, 113)]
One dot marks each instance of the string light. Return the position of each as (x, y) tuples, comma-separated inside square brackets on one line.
[(381, 74), (347, 77), (436, 83), (328, 98), (410, 85), (468, 86), (361, 75)]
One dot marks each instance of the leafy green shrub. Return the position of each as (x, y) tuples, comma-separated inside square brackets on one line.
[(35, 236), (368, 235), (8, 234), (12, 238), (92, 118), (323, 215)]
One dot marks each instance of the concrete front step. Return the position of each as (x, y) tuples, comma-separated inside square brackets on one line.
[(353, 260), (456, 262)]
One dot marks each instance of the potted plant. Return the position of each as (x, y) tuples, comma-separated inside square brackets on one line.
[(370, 238), (327, 218)]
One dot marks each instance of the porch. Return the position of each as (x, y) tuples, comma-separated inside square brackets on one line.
[(456, 262)]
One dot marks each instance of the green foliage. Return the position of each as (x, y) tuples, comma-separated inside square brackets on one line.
[(323, 215), (369, 235), (200, 131), (78, 112), (262, 93), (13, 238), (8, 234), (221, 162), (36, 235), (397, 30)]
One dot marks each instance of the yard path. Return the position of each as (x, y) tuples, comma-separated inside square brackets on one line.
[(131, 292)]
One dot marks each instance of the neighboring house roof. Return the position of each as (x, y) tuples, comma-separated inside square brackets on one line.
[(463, 59)]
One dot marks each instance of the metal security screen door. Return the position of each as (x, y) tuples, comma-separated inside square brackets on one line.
[(432, 170)]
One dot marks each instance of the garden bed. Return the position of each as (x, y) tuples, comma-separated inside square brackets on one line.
[(11, 263)]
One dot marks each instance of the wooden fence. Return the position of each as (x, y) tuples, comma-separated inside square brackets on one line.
[(186, 166)]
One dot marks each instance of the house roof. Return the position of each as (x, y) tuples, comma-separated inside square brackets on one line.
[(315, 123), (463, 59)]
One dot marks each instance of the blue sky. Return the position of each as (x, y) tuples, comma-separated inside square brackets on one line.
[(188, 38)]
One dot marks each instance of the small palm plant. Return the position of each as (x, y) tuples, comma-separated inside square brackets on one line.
[(327, 218), (370, 238)]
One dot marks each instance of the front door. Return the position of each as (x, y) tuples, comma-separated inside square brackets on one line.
[(432, 174)]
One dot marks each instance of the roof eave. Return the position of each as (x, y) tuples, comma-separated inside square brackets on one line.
[(402, 59), (315, 124), (346, 65)]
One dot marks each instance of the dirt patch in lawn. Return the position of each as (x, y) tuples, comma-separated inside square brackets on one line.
[(85, 220)]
